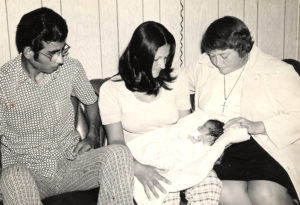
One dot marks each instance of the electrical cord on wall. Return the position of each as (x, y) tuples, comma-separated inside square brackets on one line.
[(181, 32)]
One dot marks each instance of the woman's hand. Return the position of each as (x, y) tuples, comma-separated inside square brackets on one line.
[(239, 130), (253, 127), (149, 176)]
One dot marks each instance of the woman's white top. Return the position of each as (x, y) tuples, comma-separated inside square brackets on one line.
[(118, 104)]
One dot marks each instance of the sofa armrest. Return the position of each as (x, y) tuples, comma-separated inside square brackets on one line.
[(80, 115)]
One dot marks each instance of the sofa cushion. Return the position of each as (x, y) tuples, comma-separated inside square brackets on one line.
[(96, 83)]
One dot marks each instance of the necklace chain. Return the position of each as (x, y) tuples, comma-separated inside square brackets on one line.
[(226, 97)]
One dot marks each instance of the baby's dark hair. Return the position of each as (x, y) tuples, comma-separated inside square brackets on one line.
[(217, 127)]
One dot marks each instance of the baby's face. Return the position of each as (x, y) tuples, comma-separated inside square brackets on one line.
[(204, 129), (204, 133)]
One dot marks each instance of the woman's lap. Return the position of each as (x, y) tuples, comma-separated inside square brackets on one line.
[(254, 192), (247, 161), (207, 192)]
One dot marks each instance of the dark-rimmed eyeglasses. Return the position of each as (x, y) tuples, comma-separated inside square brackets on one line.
[(54, 56)]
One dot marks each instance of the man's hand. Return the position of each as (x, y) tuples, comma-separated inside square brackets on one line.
[(94, 124), (149, 176), (84, 146)]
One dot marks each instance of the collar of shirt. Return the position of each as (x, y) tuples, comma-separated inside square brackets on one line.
[(22, 76)]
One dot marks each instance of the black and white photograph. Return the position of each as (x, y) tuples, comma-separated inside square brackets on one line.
[(149, 102)]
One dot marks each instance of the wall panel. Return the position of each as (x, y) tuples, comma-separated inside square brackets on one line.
[(231, 8), (151, 11), (4, 35), (84, 34), (170, 17), (250, 17), (101, 29), (298, 29), (198, 16), (15, 10), (109, 37), (130, 16), (271, 26), (290, 32), (53, 4)]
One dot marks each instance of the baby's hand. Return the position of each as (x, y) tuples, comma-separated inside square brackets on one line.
[(193, 139), (194, 136), (205, 139)]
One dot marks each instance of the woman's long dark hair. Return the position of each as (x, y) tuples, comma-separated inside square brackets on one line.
[(135, 65)]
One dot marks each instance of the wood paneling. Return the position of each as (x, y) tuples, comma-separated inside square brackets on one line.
[(129, 17), (290, 32), (198, 16), (84, 34), (99, 30), (250, 17), (15, 10), (4, 35), (151, 10), (53, 4), (170, 17), (231, 8), (109, 37), (298, 29), (271, 26)]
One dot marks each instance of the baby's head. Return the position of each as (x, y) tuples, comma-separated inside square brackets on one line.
[(212, 127), (210, 131)]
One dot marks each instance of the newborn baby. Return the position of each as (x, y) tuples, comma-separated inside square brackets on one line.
[(185, 150), (208, 133)]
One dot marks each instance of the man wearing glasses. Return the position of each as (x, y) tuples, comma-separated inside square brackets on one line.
[(42, 154)]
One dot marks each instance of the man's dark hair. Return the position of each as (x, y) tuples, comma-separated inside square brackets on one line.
[(39, 25)]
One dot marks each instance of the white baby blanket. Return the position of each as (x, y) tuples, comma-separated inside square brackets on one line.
[(169, 148)]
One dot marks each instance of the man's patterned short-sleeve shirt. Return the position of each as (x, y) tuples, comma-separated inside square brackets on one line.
[(37, 120)]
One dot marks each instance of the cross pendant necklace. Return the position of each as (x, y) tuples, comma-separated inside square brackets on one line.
[(224, 104), (227, 96)]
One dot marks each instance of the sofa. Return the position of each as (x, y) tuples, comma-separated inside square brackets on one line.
[(89, 197)]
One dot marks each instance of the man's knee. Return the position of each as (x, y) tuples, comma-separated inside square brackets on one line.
[(207, 192), (120, 151), (214, 179), (15, 174), (18, 186), (12, 172), (118, 155)]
